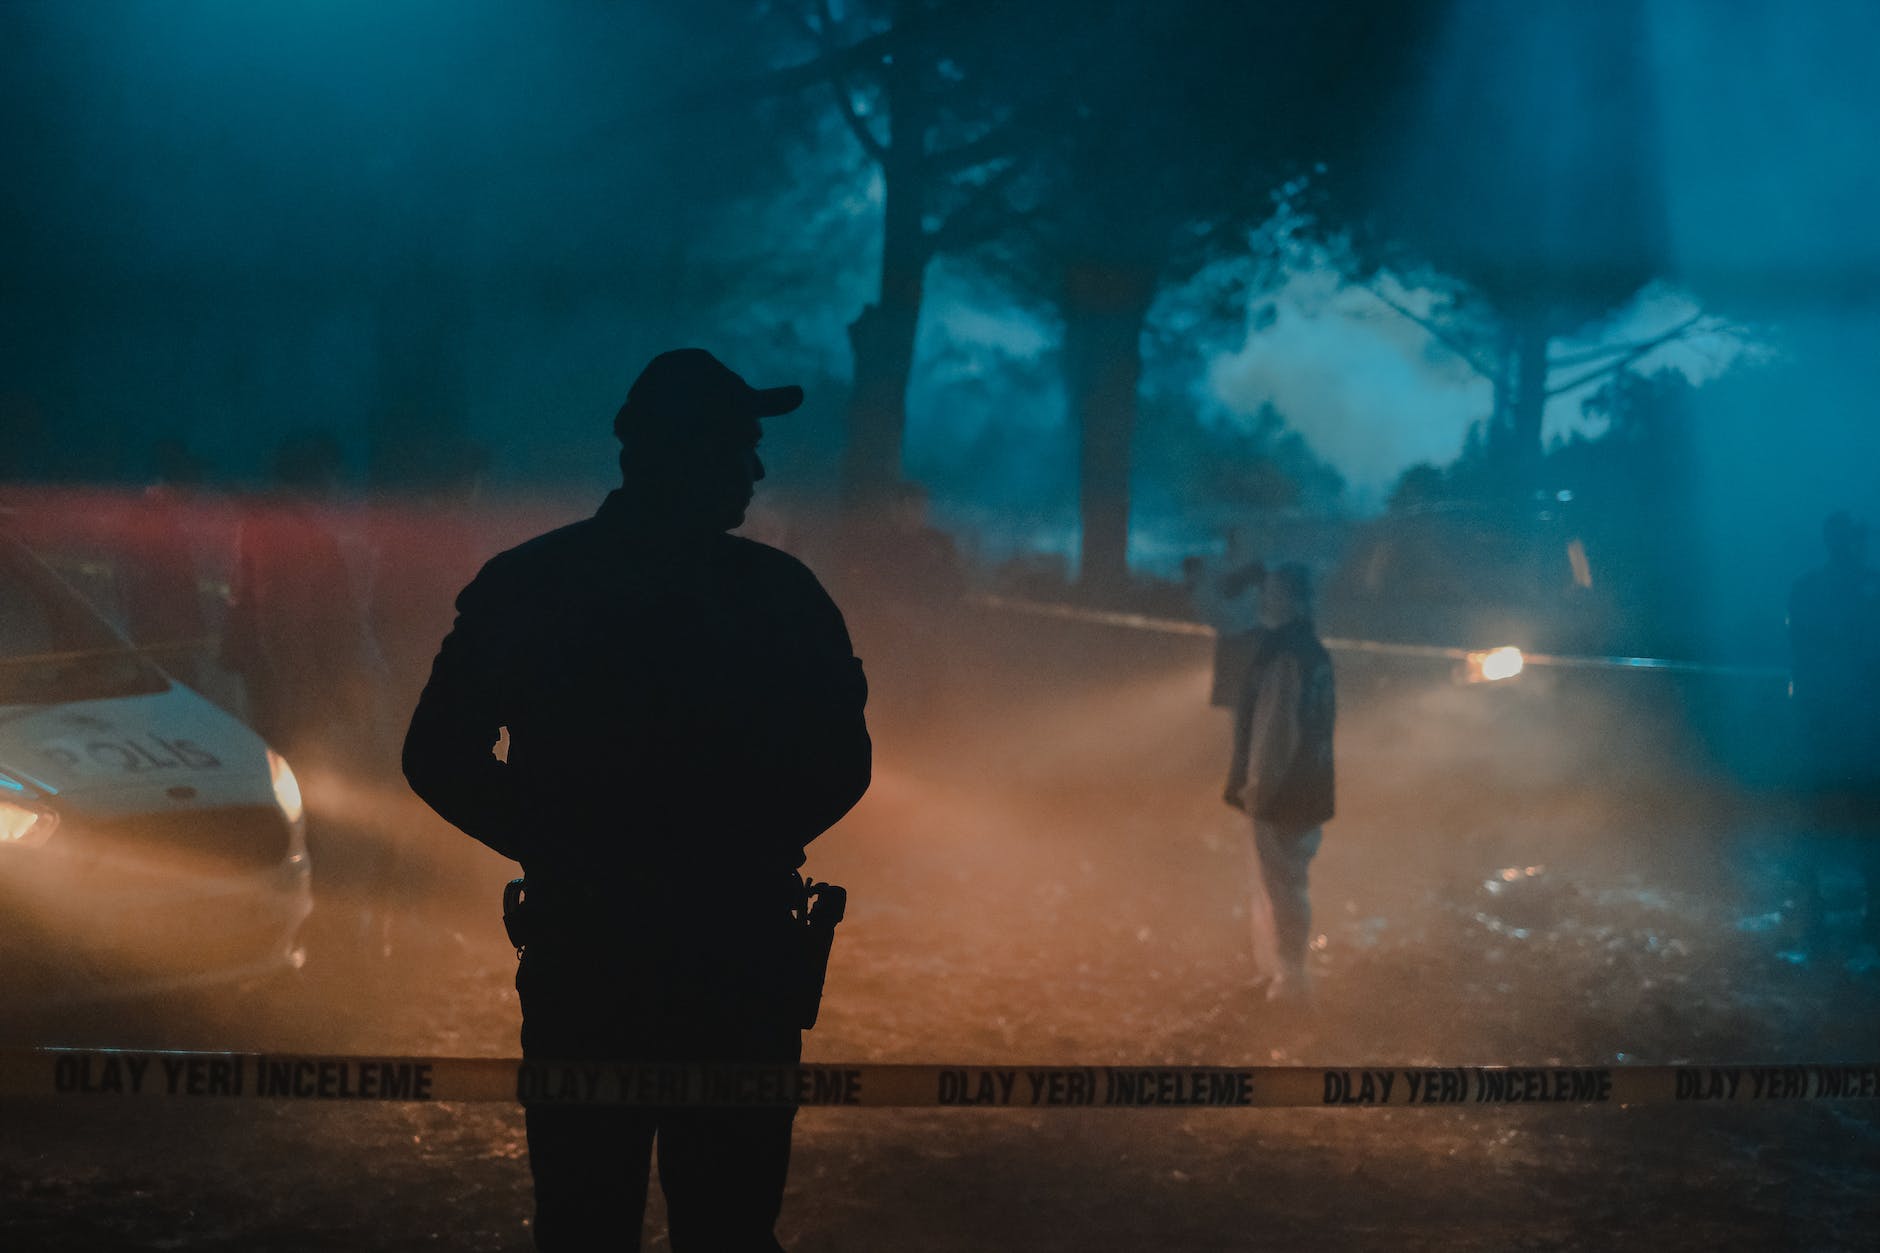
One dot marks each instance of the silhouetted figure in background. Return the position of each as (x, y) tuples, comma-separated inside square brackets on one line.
[(1281, 772), (295, 632), (685, 716), (1834, 632), (157, 577), (1226, 595)]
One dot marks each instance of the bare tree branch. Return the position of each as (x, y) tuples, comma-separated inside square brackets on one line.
[(985, 148), (1587, 356), (868, 52), (821, 31), (858, 125), (1603, 352), (1631, 354), (977, 218), (1436, 331), (865, 53)]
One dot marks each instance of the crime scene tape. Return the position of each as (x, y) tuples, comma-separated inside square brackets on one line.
[(107, 1073), (1434, 652)]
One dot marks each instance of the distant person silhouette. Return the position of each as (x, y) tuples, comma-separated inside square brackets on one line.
[(156, 570), (1225, 592), (296, 632), (1834, 633), (684, 717), (1281, 774)]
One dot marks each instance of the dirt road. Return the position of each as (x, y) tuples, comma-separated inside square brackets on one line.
[(1044, 873)]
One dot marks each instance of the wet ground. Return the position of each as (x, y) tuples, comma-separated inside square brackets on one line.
[(1044, 873)]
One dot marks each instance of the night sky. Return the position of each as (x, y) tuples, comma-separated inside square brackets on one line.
[(226, 221)]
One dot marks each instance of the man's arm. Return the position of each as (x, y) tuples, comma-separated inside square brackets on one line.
[(1273, 739), (1236, 790), (824, 757), (449, 757)]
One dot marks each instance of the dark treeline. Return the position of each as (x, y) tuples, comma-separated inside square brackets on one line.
[(425, 223)]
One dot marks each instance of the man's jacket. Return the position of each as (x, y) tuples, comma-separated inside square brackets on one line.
[(1283, 730), (680, 714)]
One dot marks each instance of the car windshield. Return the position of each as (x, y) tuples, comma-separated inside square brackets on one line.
[(53, 648)]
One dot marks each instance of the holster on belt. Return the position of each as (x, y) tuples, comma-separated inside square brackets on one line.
[(816, 911), (822, 906), (516, 913)]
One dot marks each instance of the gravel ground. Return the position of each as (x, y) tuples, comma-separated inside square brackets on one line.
[(1043, 874)]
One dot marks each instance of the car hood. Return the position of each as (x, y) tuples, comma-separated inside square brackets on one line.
[(98, 750)]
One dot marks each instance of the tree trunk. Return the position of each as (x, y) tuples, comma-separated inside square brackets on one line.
[(882, 337), (1104, 309), (1528, 402), (882, 341)]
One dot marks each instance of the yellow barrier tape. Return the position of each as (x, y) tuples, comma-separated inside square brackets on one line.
[(58, 1072), (1434, 652)]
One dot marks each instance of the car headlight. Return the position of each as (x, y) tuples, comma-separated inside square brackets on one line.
[(286, 788), (24, 827), (1494, 665)]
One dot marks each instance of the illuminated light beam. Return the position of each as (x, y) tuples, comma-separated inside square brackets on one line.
[(1101, 617), (1434, 652)]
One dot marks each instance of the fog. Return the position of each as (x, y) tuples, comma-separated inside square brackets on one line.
[(1542, 325), (411, 220), (1043, 871)]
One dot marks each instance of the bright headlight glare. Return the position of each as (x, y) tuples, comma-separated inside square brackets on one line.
[(1499, 665), (25, 827), (1503, 663), (286, 787), (1495, 665)]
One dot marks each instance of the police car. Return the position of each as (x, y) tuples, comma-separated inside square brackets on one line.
[(147, 838)]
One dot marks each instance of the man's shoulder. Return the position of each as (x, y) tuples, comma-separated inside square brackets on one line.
[(788, 589), (1824, 586), (760, 560), (531, 560), (549, 557)]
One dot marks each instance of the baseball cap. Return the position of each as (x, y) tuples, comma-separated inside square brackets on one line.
[(682, 389)]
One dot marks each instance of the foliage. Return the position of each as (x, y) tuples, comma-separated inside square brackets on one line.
[(1227, 466)]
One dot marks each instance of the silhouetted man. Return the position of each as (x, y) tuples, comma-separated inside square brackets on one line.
[(1226, 596), (684, 717), (296, 632), (1281, 772), (1834, 631), (157, 578)]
